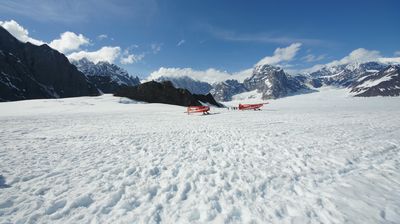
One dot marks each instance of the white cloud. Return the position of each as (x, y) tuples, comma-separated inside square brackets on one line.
[(19, 32), (102, 36), (131, 58), (358, 55), (180, 42), (69, 41), (313, 58), (242, 75), (363, 55), (108, 54), (210, 75), (390, 60), (281, 55), (397, 53), (155, 47)]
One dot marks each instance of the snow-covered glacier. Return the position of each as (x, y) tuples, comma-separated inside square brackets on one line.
[(323, 157)]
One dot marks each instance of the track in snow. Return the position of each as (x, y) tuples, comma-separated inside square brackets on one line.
[(321, 157)]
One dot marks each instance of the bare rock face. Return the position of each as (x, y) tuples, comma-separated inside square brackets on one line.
[(224, 91), (28, 71), (383, 83), (165, 92), (273, 82)]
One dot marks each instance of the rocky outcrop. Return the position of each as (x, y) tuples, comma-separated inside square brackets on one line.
[(165, 92)]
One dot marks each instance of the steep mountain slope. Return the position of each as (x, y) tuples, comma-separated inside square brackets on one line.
[(273, 82), (107, 77), (28, 71), (165, 92), (224, 91), (383, 83)]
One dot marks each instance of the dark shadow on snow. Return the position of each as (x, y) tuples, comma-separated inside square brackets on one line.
[(3, 182), (211, 113)]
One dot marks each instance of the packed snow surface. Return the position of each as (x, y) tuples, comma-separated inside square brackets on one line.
[(322, 157)]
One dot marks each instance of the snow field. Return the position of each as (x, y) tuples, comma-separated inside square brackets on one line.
[(315, 158)]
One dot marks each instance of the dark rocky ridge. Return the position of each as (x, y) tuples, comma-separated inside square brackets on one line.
[(28, 71), (165, 92)]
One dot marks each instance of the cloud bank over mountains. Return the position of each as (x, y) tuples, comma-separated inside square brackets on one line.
[(210, 75), (279, 57)]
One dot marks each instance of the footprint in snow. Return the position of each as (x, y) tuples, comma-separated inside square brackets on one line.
[(154, 172), (185, 191), (152, 192), (55, 206)]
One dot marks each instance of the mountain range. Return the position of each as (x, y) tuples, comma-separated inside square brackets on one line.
[(271, 82), (28, 71), (107, 77)]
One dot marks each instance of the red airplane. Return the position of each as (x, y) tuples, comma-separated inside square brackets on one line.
[(198, 109), (251, 106)]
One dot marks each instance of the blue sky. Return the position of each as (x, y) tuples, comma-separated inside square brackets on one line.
[(144, 35)]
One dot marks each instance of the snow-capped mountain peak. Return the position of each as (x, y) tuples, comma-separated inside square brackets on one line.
[(105, 75), (102, 68), (265, 68), (272, 82)]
